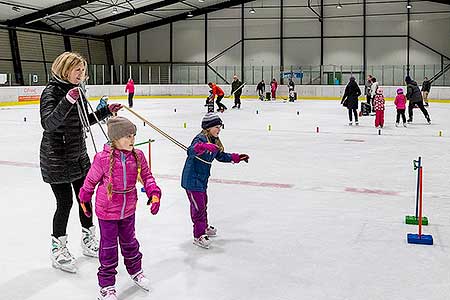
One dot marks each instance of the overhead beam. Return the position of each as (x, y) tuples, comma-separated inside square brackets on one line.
[(124, 15), (20, 21), (178, 17)]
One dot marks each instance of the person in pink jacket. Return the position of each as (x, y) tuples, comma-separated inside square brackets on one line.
[(130, 89), (400, 104), (273, 88), (116, 170)]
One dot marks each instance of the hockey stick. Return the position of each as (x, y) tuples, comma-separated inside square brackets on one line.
[(179, 144), (240, 87)]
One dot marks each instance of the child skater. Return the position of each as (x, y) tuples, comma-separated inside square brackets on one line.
[(205, 147), (116, 170), (210, 101), (400, 104), (378, 104)]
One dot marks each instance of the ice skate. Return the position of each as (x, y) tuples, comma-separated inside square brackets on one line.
[(357, 123), (428, 120), (404, 125), (202, 241), (409, 121), (397, 124), (89, 242), (107, 293), (350, 123), (61, 257), (211, 231), (141, 281), (233, 107)]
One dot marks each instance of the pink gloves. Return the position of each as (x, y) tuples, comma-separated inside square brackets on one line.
[(236, 158), (155, 204), (200, 148), (73, 95), (115, 107)]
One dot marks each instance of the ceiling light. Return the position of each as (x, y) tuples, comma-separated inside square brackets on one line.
[(252, 11), (190, 15), (201, 1), (408, 6), (114, 10), (339, 5), (15, 8)]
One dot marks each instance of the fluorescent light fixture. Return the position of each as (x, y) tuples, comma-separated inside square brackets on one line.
[(201, 1), (408, 6), (190, 15), (339, 6), (114, 10), (15, 8), (252, 11)]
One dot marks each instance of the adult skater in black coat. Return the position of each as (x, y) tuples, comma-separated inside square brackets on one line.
[(350, 100)]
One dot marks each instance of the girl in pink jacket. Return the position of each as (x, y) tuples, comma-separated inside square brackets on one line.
[(378, 104), (115, 170), (400, 104)]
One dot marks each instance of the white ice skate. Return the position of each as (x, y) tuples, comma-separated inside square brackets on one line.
[(404, 124), (202, 241), (89, 242), (107, 293), (211, 231), (141, 281), (61, 257)]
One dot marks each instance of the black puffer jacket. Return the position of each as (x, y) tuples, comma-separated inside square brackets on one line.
[(413, 93), (63, 154), (352, 92)]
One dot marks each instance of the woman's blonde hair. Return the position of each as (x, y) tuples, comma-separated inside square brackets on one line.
[(213, 140), (66, 62)]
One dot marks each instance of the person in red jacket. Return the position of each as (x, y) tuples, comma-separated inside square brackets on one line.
[(378, 104), (217, 91), (130, 89), (273, 88)]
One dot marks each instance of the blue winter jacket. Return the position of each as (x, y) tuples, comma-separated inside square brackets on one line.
[(196, 172)]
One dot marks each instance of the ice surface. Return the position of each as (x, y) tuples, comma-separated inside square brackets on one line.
[(338, 233)]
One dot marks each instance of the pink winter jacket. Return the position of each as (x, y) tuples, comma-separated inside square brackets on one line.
[(130, 87), (122, 204), (400, 101)]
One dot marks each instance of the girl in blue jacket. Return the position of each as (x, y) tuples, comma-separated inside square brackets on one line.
[(205, 147)]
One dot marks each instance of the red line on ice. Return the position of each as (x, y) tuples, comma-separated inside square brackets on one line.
[(174, 177), (367, 191)]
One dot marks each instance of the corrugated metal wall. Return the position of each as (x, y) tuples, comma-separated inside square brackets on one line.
[(81, 46), (32, 57)]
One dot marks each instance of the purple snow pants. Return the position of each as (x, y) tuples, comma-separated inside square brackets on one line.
[(199, 217), (110, 230)]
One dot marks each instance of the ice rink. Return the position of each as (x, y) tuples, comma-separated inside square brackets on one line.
[(311, 216)]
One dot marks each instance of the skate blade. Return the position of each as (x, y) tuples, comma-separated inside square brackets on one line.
[(200, 245), (142, 287), (90, 254), (71, 269)]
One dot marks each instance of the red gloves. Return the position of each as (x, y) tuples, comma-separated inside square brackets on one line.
[(73, 95), (200, 148), (236, 158), (115, 107), (154, 204)]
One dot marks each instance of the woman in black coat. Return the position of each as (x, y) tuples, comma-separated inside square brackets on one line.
[(350, 99), (64, 160)]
